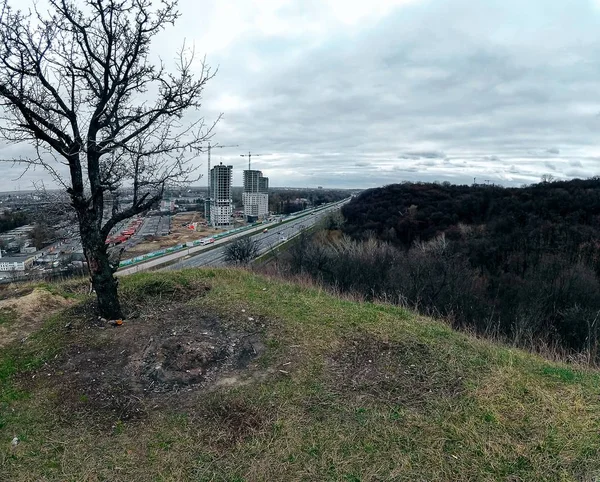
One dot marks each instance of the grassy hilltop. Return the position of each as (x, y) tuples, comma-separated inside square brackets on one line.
[(227, 376)]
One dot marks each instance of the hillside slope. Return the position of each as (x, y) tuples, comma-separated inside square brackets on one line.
[(227, 376), (520, 262)]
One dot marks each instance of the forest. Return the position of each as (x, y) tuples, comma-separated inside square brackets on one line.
[(291, 200), (521, 264), (13, 219)]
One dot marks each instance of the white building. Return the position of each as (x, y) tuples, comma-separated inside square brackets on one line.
[(221, 202), (256, 194), (256, 204), (15, 263), (167, 205)]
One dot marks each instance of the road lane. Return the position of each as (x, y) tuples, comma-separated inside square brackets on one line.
[(276, 234), (212, 255)]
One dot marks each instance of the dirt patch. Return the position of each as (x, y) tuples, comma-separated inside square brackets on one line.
[(180, 221), (23, 315), (180, 233), (161, 291), (148, 360), (232, 419), (13, 291), (409, 374)]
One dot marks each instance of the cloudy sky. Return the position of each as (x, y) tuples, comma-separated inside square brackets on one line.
[(354, 93)]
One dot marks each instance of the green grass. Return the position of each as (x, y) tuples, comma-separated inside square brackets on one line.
[(367, 392), (7, 315)]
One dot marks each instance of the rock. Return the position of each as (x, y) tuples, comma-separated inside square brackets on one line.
[(15, 441)]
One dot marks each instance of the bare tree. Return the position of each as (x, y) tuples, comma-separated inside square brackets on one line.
[(242, 251), (546, 178), (42, 235), (77, 83)]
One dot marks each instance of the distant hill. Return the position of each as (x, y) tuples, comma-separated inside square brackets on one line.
[(554, 215), (520, 263)]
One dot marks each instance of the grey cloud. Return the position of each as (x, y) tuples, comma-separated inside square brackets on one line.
[(469, 97), (577, 173), (550, 165), (480, 88), (422, 155), (507, 128), (406, 169)]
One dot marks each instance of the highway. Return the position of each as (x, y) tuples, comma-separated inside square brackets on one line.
[(213, 255), (275, 235)]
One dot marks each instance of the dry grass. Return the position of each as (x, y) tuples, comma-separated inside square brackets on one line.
[(345, 390), (24, 314)]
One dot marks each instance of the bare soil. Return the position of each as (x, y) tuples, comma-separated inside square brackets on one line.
[(164, 352), (179, 234)]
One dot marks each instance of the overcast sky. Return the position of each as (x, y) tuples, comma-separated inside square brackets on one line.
[(355, 93)]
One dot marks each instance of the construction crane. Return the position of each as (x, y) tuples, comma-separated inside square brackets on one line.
[(209, 149), (249, 156)]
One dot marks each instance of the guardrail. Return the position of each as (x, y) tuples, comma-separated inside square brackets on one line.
[(180, 247), (199, 242)]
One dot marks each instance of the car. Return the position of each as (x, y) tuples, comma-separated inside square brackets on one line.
[(265, 230)]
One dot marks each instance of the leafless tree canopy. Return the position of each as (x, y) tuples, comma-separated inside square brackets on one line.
[(242, 251), (76, 82)]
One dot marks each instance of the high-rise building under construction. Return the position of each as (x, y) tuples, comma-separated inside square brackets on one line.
[(256, 195), (221, 202)]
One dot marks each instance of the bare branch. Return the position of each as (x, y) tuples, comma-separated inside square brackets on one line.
[(75, 82)]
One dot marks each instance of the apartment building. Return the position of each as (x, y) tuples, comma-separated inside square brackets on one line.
[(255, 196), (221, 202)]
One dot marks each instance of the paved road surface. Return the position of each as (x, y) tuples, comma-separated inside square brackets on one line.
[(205, 256), (276, 234)]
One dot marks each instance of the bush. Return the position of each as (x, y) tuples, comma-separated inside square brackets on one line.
[(242, 251)]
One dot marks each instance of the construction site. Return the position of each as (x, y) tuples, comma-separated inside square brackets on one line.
[(184, 227), (166, 230)]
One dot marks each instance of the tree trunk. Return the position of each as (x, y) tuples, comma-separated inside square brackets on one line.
[(105, 284), (103, 281)]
